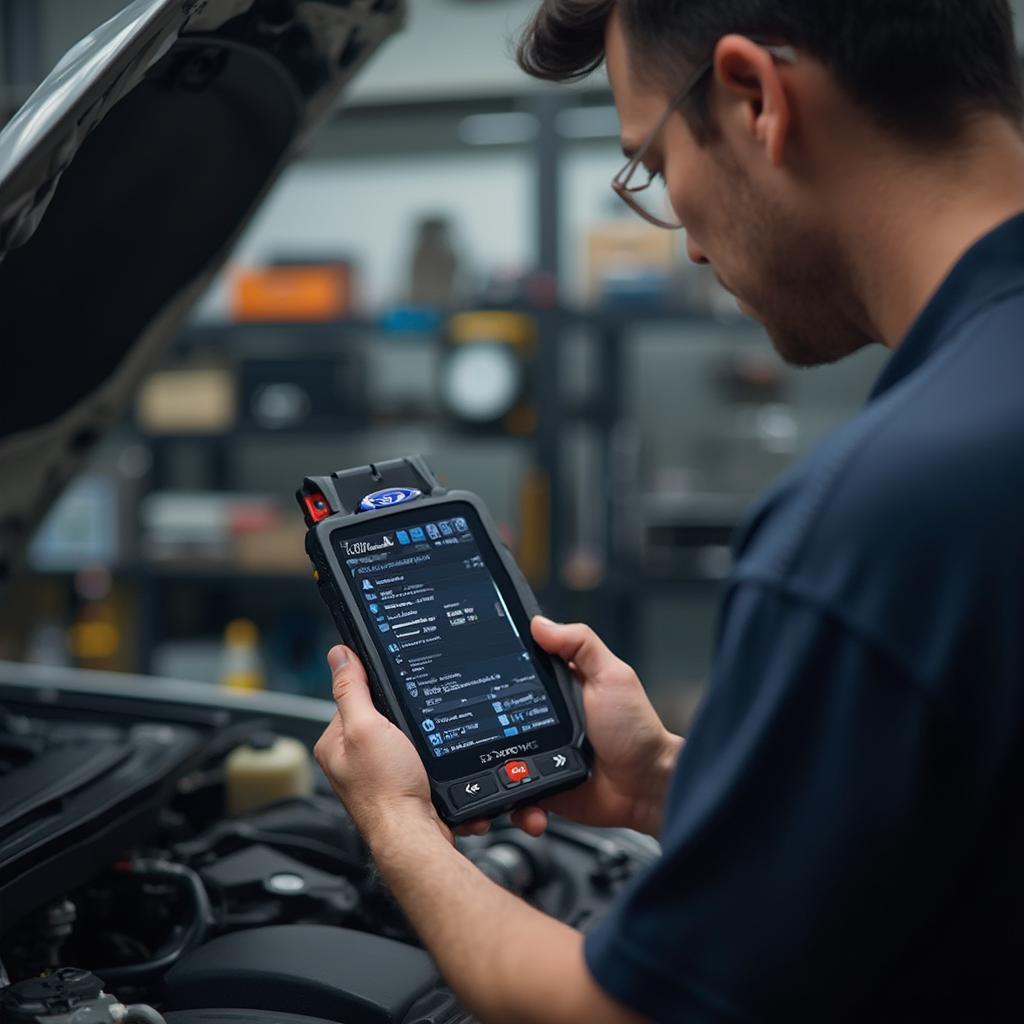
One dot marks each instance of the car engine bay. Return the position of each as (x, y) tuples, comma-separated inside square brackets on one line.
[(129, 893)]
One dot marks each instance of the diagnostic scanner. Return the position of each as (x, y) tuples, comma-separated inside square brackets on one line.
[(421, 586)]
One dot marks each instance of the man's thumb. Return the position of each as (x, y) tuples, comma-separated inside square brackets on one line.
[(348, 684), (573, 642)]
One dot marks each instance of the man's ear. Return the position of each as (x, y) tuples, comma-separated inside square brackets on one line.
[(748, 76)]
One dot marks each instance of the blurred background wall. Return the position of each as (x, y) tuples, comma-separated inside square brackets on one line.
[(618, 413)]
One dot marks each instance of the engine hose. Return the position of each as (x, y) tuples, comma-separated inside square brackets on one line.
[(191, 883), (140, 1013), (241, 830)]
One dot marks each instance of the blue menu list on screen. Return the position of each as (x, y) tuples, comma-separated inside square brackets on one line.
[(455, 653)]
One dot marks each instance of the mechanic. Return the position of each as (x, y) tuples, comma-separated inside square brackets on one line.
[(843, 831)]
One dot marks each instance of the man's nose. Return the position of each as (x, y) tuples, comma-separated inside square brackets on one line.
[(695, 252)]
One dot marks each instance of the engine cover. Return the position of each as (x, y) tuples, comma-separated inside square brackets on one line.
[(333, 973)]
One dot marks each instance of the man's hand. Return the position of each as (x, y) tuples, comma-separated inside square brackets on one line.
[(634, 754), (378, 776), (371, 765)]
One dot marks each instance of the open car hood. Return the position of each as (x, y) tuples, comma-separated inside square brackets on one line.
[(124, 182)]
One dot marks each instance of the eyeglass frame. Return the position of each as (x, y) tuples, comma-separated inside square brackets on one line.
[(620, 183)]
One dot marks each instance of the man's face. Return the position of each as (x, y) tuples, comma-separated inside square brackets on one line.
[(762, 235)]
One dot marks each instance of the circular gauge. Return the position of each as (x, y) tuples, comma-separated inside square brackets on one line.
[(481, 382)]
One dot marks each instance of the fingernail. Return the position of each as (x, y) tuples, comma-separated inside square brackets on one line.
[(337, 657), (545, 621)]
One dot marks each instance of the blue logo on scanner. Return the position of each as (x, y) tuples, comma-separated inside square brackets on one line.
[(388, 497)]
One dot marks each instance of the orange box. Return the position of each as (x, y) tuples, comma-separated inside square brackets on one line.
[(292, 293)]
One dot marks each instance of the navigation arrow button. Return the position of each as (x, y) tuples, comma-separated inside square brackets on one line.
[(551, 763), (463, 793)]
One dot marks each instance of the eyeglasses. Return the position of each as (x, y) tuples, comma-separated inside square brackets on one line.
[(650, 198)]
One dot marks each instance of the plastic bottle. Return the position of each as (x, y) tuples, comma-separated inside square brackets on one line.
[(242, 666)]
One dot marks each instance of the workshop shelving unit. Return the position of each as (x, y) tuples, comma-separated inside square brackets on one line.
[(615, 604)]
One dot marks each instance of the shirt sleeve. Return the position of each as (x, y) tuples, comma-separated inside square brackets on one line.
[(807, 843)]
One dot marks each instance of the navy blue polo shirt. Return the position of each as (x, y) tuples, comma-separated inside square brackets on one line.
[(844, 837)]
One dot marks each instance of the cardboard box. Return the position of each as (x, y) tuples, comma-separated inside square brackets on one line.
[(277, 548), (625, 248), (187, 401)]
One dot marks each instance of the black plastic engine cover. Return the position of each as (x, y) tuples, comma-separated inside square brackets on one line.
[(232, 1016), (333, 973)]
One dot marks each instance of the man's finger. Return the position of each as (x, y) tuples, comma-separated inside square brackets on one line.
[(574, 643), (329, 740), (477, 827), (532, 820), (348, 683)]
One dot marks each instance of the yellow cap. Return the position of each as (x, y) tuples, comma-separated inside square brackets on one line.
[(241, 633)]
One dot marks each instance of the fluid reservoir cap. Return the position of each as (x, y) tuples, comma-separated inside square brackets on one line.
[(263, 740), (59, 993)]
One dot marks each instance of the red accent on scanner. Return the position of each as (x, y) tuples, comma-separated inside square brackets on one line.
[(316, 506)]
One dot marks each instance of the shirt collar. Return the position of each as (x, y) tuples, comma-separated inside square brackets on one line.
[(991, 267)]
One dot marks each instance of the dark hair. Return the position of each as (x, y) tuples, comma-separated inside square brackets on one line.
[(920, 66)]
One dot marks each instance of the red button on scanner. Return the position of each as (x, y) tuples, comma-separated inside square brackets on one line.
[(516, 771)]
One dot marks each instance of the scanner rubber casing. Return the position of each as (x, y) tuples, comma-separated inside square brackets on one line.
[(338, 491)]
